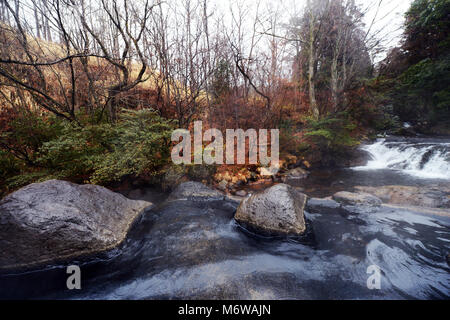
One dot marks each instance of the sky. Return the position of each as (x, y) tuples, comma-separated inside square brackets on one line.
[(389, 18)]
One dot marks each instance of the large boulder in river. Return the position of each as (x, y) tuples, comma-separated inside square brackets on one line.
[(55, 221), (276, 211)]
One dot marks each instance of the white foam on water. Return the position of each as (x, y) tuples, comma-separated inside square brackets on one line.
[(423, 160)]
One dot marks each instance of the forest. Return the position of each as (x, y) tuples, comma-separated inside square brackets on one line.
[(90, 91)]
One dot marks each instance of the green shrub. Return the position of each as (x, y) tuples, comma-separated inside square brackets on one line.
[(141, 145), (25, 134), (26, 178), (332, 133), (331, 138), (290, 143), (8, 166), (138, 144), (75, 153)]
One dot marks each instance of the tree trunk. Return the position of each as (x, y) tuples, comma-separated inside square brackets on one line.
[(36, 17), (334, 80), (311, 65)]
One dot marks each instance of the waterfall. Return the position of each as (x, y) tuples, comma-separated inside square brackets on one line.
[(418, 157)]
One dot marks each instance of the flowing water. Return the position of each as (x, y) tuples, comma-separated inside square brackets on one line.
[(419, 162), (194, 249), (422, 158)]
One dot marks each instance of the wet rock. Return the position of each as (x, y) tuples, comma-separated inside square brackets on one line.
[(233, 179), (223, 185), (297, 173), (189, 190), (330, 206), (241, 193), (57, 220), (357, 199), (192, 249), (316, 205), (354, 157), (278, 211), (267, 172), (431, 197), (407, 132)]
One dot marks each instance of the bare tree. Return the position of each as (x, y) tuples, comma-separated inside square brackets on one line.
[(182, 43), (84, 51)]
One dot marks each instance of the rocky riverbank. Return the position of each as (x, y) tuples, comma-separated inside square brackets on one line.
[(191, 247), (57, 221)]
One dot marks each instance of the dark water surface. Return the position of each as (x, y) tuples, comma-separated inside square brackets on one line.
[(194, 249)]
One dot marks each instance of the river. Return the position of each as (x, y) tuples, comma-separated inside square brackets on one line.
[(187, 249)]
